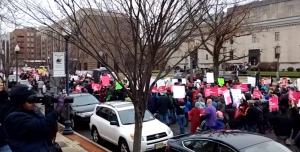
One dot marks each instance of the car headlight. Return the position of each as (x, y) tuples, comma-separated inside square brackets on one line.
[(169, 131), (84, 114), (132, 137)]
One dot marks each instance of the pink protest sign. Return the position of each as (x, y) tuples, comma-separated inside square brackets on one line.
[(256, 93), (221, 90), (242, 87), (273, 103), (211, 91), (227, 97), (294, 96), (105, 80), (96, 86)]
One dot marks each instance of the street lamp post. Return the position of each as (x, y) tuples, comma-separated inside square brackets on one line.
[(191, 47), (277, 52), (17, 49), (68, 124)]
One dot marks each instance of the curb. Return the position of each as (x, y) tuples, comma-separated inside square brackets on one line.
[(83, 137)]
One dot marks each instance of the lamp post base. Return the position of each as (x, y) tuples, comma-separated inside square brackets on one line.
[(68, 129)]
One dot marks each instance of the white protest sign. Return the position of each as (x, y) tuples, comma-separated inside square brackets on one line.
[(251, 80), (151, 81), (210, 78), (183, 81), (178, 92), (298, 83), (236, 95), (174, 80), (160, 83)]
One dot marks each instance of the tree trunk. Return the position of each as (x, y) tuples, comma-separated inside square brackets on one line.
[(138, 116), (216, 69)]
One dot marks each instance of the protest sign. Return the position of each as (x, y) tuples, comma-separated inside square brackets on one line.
[(236, 95), (242, 87), (294, 96), (178, 92), (273, 103), (251, 80), (211, 91), (256, 94), (227, 97), (221, 90), (210, 78), (105, 80)]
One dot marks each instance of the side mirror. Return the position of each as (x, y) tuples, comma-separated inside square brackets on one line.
[(114, 123)]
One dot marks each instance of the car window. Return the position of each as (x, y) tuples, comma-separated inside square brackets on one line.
[(103, 112), (200, 145), (112, 116), (84, 100), (127, 116), (223, 148), (270, 146)]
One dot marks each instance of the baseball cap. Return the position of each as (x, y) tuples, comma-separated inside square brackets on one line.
[(19, 94)]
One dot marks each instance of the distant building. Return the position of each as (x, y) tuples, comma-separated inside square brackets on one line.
[(281, 19), (29, 54), (93, 26)]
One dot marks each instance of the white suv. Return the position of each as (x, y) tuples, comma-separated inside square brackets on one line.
[(114, 122)]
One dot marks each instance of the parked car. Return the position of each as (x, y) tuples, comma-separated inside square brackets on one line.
[(81, 109), (114, 122), (224, 141), (26, 83)]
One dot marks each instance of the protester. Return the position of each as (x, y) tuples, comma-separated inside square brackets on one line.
[(194, 115), (187, 108), (282, 125), (209, 116), (180, 106), (163, 104)]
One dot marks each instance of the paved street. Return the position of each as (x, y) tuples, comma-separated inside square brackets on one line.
[(175, 128)]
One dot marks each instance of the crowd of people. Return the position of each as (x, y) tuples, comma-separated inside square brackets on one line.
[(202, 112)]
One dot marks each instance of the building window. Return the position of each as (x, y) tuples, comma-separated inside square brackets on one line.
[(231, 54), (85, 66), (206, 57), (277, 36), (231, 41), (254, 38)]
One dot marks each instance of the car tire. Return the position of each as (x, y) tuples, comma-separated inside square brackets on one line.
[(95, 135), (123, 146)]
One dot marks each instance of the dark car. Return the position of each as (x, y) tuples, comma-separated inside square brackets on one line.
[(81, 109), (224, 141)]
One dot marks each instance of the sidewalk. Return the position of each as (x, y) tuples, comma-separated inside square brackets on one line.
[(75, 142)]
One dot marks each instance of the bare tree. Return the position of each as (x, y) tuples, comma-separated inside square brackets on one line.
[(223, 27), (127, 36)]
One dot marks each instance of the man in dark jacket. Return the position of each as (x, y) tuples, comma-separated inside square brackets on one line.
[(24, 129), (5, 106), (282, 126), (252, 115), (180, 106), (163, 104)]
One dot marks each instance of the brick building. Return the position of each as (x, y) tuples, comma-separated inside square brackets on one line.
[(27, 39), (93, 31)]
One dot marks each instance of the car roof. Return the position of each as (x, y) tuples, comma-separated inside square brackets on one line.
[(118, 105), (235, 138), (79, 94)]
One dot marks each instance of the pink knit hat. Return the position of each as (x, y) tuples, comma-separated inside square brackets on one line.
[(219, 114)]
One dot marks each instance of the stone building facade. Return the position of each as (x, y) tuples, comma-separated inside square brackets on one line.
[(281, 22)]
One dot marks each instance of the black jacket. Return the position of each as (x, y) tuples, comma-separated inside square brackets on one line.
[(29, 131), (5, 106), (163, 104), (252, 115), (282, 125)]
